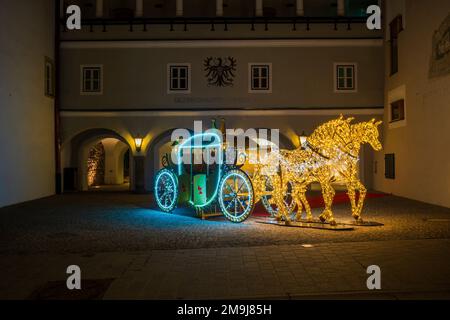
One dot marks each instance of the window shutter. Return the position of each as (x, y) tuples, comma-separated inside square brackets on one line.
[(396, 26), (389, 166)]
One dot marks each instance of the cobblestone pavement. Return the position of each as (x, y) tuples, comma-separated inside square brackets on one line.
[(92, 222), (409, 269), (148, 254)]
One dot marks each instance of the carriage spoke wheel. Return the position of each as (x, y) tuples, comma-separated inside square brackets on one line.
[(269, 203), (236, 196), (166, 190)]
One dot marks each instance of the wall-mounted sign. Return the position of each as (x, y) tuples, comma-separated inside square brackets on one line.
[(440, 56), (220, 71)]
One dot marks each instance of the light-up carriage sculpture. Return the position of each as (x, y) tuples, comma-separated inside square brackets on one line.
[(207, 184), (330, 154)]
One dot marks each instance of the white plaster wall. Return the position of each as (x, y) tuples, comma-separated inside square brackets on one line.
[(114, 152), (421, 147), (27, 167), (302, 77)]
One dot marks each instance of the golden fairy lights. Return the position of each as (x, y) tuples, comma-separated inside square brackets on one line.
[(329, 155)]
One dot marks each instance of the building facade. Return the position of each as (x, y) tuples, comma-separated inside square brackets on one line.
[(417, 95), (143, 68), (27, 140)]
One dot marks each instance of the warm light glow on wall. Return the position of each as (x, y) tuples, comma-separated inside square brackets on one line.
[(138, 143), (96, 165)]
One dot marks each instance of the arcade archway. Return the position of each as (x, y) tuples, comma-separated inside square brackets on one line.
[(97, 159)]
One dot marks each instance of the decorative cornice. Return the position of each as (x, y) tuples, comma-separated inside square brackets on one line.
[(256, 43), (222, 112)]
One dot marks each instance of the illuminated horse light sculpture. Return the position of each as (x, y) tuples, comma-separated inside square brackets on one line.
[(331, 154)]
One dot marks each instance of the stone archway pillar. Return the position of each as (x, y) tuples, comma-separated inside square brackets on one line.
[(139, 174), (151, 173)]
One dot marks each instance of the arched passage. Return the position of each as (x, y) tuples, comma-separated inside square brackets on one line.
[(160, 145), (78, 160)]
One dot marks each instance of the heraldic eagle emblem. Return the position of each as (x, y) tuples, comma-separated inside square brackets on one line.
[(220, 71)]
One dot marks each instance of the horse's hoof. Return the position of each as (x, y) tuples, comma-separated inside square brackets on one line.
[(322, 219), (287, 222), (333, 223)]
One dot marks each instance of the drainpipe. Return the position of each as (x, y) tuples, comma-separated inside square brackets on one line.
[(57, 100)]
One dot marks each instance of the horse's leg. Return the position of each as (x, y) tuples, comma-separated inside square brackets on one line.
[(280, 212), (362, 196), (281, 204), (303, 199), (330, 203), (274, 199), (278, 199), (296, 199), (352, 196), (328, 195)]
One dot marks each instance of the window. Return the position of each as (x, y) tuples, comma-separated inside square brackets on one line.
[(91, 79), (179, 78), (395, 27), (260, 78), (396, 107), (389, 166), (49, 78), (345, 77), (397, 110)]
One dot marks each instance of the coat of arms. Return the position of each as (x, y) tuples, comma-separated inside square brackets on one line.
[(220, 71)]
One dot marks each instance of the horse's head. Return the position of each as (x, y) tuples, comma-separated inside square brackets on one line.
[(370, 134)]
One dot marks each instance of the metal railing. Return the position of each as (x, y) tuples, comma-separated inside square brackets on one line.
[(214, 22)]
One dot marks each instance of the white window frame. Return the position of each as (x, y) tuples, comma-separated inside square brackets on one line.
[(91, 93), (250, 77), (355, 78), (169, 79), (398, 93)]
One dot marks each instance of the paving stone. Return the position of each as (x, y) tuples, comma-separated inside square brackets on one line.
[(154, 255)]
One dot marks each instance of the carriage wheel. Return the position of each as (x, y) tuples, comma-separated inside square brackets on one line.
[(166, 190), (268, 202), (236, 197)]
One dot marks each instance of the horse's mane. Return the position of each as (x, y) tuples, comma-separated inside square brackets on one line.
[(329, 134)]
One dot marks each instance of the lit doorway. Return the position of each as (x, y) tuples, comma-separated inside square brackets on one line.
[(108, 166)]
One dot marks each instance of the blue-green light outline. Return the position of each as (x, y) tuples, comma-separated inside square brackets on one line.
[(159, 175), (218, 145), (249, 188)]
